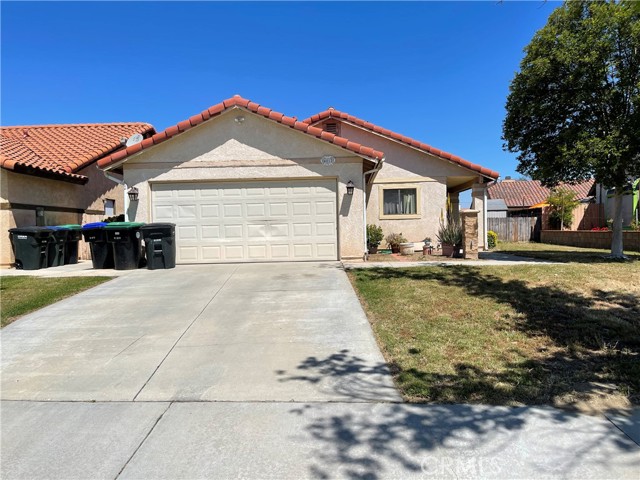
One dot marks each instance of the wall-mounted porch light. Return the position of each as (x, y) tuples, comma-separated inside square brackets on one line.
[(350, 187), (133, 194)]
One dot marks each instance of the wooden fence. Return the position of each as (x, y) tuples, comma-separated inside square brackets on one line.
[(516, 229)]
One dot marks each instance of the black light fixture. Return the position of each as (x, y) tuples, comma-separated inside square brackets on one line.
[(133, 194), (350, 187)]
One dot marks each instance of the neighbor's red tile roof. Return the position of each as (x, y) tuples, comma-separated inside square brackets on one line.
[(333, 113), (238, 101), (525, 193), (62, 150)]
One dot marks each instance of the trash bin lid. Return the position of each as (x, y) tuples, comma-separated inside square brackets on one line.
[(30, 230), (71, 226), (123, 225), (94, 225), (150, 226)]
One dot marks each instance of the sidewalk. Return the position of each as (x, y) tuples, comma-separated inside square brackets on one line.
[(486, 259)]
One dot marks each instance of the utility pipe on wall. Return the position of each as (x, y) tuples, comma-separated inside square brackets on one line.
[(371, 172)]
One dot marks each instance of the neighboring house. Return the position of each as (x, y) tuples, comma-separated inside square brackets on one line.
[(527, 198), (630, 203), (497, 208), (49, 176), (244, 183)]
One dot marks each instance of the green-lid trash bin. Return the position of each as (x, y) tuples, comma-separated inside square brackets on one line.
[(30, 247), (74, 235), (101, 251), (160, 245), (126, 240), (57, 243)]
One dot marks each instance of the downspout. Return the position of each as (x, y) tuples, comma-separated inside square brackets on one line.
[(371, 172), (125, 196)]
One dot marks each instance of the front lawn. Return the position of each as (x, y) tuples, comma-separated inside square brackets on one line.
[(21, 295), (560, 253), (564, 334)]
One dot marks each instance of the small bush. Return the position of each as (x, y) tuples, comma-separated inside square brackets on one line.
[(492, 238), (374, 235)]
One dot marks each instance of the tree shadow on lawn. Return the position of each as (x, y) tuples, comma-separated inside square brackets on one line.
[(595, 340)]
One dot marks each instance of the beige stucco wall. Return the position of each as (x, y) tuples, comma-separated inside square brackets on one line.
[(256, 149), (53, 195), (406, 167)]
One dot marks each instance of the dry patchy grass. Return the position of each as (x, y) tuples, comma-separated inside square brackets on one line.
[(531, 334)]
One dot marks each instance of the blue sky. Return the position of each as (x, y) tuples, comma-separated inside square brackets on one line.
[(438, 72)]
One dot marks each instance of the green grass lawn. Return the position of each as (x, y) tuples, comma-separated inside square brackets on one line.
[(564, 334), (21, 295)]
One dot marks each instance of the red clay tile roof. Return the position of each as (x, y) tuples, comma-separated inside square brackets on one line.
[(342, 116), (525, 193), (60, 151), (238, 101)]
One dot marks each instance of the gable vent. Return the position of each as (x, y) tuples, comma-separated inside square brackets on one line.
[(332, 127)]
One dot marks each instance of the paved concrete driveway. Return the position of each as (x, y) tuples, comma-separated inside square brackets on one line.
[(279, 332), (255, 371)]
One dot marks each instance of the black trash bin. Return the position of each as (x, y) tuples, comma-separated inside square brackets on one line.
[(30, 247), (160, 245), (74, 235), (57, 243), (101, 251), (126, 242)]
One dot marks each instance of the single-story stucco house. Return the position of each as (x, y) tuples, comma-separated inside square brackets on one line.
[(48, 175), (244, 183)]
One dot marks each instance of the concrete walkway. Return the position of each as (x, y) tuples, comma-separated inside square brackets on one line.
[(485, 259), (256, 371)]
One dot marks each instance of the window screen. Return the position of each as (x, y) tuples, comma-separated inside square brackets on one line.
[(401, 201)]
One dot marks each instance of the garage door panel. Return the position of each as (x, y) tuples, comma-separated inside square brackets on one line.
[(279, 230), (211, 253), (210, 232), (278, 209), (233, 210), (210, 211), (163, 212), (250, 221)]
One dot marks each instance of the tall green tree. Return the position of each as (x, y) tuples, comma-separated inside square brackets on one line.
[(573, 111)]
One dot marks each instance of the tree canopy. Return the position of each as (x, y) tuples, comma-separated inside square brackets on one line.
[(573, 111)]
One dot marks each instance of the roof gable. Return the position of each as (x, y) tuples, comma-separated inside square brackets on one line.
[(332, 113), (60, 151), (242, 103)]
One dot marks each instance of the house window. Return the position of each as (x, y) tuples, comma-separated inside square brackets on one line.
[(332, 127), (400, 201), (109, 208)]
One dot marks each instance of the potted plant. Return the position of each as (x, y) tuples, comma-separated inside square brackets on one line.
[(394, 240), (427, 248), (450, 236), (374, 238)]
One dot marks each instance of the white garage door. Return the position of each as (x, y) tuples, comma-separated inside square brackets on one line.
[(250, 221)]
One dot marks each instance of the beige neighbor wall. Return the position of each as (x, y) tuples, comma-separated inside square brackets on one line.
[(406, 167), (63, 203), (256, 149)]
